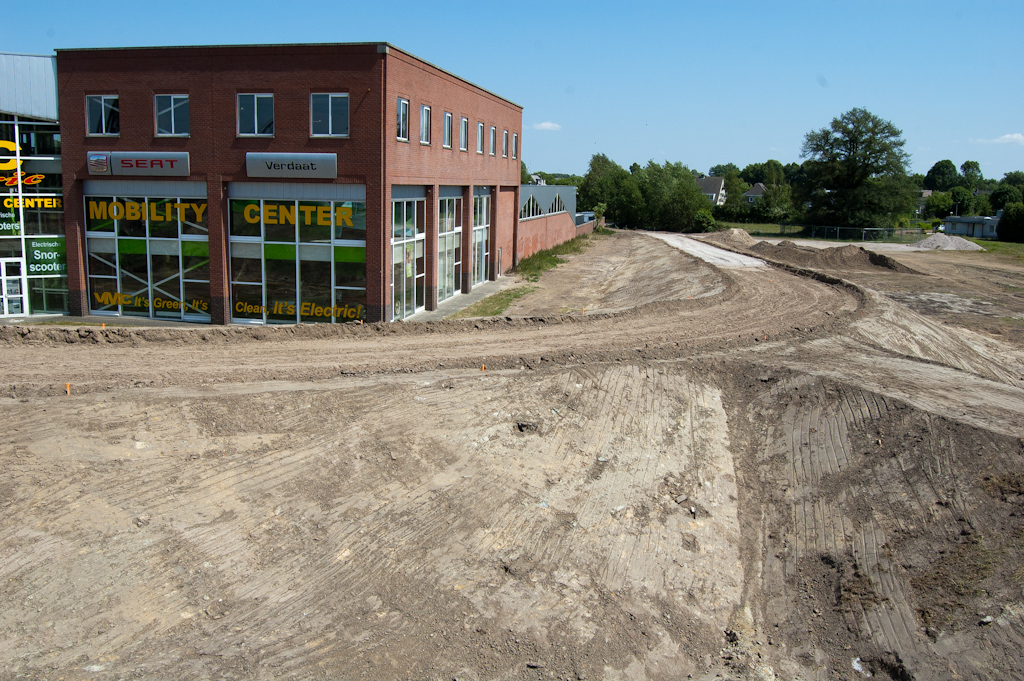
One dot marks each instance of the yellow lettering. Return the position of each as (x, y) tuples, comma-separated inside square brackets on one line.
[(286, 214), (180, 207), (200, 208), (323, 216), (58, 203), (12, 147), (251, 213), (8, 203), (97, 210), (116, 210), (343, 216), (132, 211), (153, 215), (270, 214), (305, 309), (307, 212)]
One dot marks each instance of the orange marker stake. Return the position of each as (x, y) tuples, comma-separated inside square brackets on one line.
[(67, 388), (483, 367), (104, 325)]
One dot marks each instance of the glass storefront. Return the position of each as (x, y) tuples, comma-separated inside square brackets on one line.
[(297, 261), (481, 237), (148, 256), (408, 257), (33, 273), (449, 248)]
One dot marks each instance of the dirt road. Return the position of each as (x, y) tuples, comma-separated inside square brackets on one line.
[(745, 472)]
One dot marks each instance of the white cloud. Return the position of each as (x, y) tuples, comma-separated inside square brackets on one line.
[(1012, 138), (547, 125)]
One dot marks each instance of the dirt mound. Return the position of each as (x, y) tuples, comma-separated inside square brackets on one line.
[(944, 242), (847, 257), (737, 238)]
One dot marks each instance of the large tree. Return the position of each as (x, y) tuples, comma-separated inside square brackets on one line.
[(971, 171), (857, 171), (942, 176), (1011, 225), (1004, 194), (609, 183)]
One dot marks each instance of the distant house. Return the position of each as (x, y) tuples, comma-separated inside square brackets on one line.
[(978, 226), (713, 188), (538, 180), (754, 193)]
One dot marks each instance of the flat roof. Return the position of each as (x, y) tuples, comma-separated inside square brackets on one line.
[(379, 45)]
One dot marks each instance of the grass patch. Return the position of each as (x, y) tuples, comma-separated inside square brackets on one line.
[(1009, 248), (492, 306), (540, 262)]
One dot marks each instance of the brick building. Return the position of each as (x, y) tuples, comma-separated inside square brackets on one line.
[(281, 183)]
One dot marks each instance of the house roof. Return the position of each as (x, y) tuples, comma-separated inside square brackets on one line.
[(757, 190), (711, 185)]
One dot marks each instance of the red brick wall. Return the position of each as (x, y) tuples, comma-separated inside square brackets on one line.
[(538, 234)]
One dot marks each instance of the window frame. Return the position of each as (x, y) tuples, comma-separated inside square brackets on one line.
[(103, 119), (515, 145), (255, 112), (446, 131), (479, 137), (425, 124), (504, 143), (402, 131), (330, 115), (157, 110), (464, 134), (493, 141)]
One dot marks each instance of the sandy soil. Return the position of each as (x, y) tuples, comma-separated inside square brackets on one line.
[(746, 473)]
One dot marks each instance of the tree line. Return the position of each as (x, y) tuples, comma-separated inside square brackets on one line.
[(855, 175)]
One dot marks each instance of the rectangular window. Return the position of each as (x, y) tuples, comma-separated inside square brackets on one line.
[(515, 145), (328, 115), (171, 115), (403, 119), (479, 138), (446, 135), (504, 143), (103, 115), (464, 134), (494, 139), (424, 124), (255, 115)]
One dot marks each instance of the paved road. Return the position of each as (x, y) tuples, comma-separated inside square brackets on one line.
[(708, 253)]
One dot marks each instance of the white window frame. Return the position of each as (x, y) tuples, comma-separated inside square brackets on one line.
[(425, 124), (331, 98), (494, 140), (515, 145), (403, 120), (104, 101), (504, 143), (257, 96), (479, 137), (446, 132), (464, 134), (175, 102)]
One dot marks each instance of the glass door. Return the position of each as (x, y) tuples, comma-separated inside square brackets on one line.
[(12, 287)]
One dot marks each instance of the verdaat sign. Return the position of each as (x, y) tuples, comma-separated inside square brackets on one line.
[(265, 164)]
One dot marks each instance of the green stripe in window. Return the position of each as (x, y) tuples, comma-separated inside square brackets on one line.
[(349, 254), (199, 248), (279, 251), (131, 246)]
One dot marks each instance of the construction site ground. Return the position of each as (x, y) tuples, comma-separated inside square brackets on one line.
[(653, 467)]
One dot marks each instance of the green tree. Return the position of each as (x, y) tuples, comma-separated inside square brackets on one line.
[(857, 171), (971, 172), (1014, 178), (775, 205), (724, 169), (938, 205), (942, 176), (524, 174), (609, 183), (1011, 224), (704, 221), (769, 172), (963, 201), (1004, 194), (983, 205), (671, 197)]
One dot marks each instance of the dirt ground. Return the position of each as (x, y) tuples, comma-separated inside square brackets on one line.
[(714, 472)]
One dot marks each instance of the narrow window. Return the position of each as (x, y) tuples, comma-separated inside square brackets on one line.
[(464, 134), (446, 135), (494, 139), (256, 115), (403, 119), (171, 115), (504, 143), (515, 145), (328, 115), (479, 138), (103, 115), (424, 124)]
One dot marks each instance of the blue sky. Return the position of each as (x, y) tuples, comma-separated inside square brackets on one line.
[(697, 82)]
